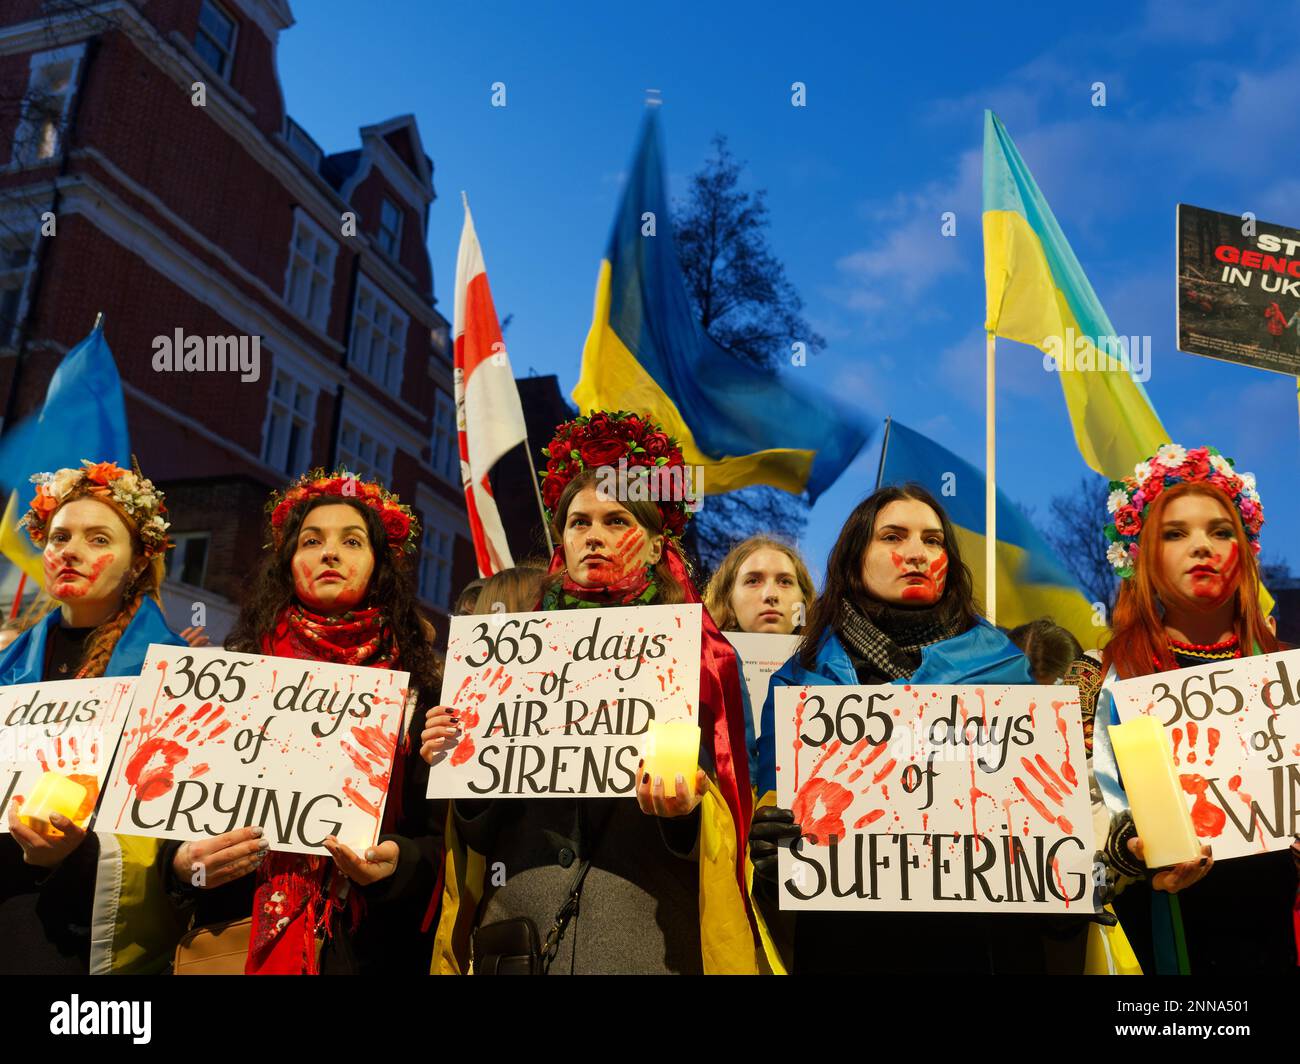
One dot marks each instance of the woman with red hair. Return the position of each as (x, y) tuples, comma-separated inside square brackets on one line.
[(1184, 536)]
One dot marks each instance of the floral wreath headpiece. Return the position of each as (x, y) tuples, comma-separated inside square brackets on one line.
[(128, 489), (399, 522), (1130, 499), (604, 439)]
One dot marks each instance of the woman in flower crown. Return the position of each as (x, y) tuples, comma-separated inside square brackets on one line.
[(336, 586), (653, 899), (62, 895), (1183, 536)]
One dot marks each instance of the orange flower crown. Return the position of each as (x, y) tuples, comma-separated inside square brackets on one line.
[(129, 489), (399, 522)]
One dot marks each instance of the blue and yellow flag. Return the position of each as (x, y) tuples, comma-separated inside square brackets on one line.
[(83, 416), (1037, 293), (1032, 582), (647, 353)]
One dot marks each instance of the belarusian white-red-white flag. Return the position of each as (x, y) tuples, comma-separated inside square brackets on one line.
[(489, 418)]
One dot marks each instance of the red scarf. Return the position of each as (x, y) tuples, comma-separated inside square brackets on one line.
[(298, 893)]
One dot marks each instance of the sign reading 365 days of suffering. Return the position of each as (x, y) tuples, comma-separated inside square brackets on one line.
[(1235, 731), (558, 703), (66, 726), (944, 798), (218, 740)]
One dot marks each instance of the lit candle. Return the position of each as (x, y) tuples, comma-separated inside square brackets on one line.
[(52, 794), (672, 748), (1155, 795)]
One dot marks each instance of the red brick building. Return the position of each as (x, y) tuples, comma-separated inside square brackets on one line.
[(149, 170)]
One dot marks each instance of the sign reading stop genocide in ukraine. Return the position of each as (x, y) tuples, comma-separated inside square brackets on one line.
[(558, 704), (218, 740), (1235, 731), (943, 798)]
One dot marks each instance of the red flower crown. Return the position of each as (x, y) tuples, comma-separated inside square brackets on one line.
[(400, 523), (603, 439)]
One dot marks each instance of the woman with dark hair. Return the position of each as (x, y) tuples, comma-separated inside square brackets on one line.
[(73, 901), (1183, 536), (336, 587), (897, 606), (655, 896), (1051, 649)]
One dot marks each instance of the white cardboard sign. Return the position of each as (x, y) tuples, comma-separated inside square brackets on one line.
[(943, 798), (556, 704)]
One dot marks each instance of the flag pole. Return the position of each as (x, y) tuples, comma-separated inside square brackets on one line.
[(18, 595), (884, 447), (990, 483), (532, 475)]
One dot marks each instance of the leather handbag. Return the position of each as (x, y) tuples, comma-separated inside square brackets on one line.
[(218, 949)]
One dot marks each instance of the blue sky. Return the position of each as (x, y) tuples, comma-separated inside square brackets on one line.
[(1201, 108)]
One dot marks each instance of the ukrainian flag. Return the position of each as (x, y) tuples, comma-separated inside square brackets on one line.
[(83, 416), (647, 353), (1032, 582), (1037, 293)]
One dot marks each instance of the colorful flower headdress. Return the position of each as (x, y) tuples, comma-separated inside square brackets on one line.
[(133, 493), (603, 439), (1131, 498), (399, 522)]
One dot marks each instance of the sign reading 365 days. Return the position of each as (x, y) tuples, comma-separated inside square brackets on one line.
[(1235, 731), (944, 798), (218, 740), (558, 703), (65, 726)]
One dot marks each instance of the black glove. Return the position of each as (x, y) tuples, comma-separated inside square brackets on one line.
[(771, 825)]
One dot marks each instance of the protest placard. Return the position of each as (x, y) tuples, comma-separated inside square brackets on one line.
[(65, 726), (943, 798), (559, 703), (1238, 289), (1235, 731), (219, 740), (761, 654)]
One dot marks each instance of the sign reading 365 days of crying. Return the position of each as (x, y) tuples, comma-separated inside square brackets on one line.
[(559, 703), (944, 798), (218, 740)]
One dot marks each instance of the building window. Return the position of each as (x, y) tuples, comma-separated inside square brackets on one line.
[(289, 419), (188, 562), (215, 39), (436, 548), (446, 444), (303, 146), (15, 268), (311, 271), (378, 337), (364, 455), (390, 228), (45, 105)]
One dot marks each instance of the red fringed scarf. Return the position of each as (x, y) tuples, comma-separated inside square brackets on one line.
[(298, 893), (722, 712)]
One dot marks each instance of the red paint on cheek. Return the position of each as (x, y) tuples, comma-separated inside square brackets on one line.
[(896, 558), (77, 586)]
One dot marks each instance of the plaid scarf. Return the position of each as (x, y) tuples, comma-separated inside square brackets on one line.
[(888, 643)]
